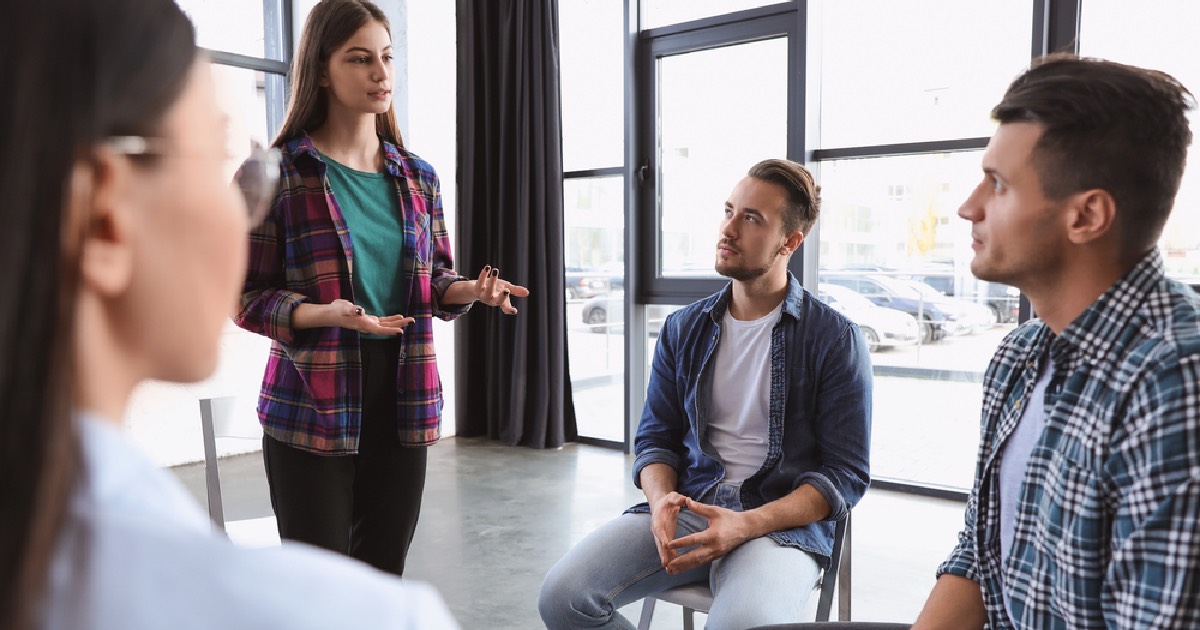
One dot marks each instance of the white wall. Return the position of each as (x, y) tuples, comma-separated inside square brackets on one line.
[(164, 418)]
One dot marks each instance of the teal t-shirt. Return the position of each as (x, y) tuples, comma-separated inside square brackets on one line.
[(372, 212)]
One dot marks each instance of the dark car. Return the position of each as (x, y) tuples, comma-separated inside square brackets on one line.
[(936, 322), (1003, 300)]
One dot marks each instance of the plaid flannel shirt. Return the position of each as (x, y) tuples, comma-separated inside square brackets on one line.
[(1108, 520), (312, 389)]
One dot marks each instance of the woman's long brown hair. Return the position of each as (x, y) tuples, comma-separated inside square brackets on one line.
[(75, 72), (330, 24)]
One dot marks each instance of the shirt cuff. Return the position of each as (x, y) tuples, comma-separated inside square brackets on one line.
[(653, 456)]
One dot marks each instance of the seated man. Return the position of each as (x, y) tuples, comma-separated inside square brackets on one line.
[(1085, 511), (753, 440)]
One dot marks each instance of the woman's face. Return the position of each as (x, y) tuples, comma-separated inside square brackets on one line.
[(358, 76), (189, 245)]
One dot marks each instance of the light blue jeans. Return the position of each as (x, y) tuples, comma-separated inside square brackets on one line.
[(759, 583)]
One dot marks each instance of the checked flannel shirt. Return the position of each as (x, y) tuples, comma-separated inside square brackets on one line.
[(1108, 520), (312, 389)]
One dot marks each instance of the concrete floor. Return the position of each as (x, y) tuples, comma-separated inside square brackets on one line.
[(496, 518)]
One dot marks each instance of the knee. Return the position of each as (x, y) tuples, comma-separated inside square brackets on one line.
[(552, 599), (563, 602), (555, 599)]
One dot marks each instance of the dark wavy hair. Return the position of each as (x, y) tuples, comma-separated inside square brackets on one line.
[(76, 71), (1107, 126)]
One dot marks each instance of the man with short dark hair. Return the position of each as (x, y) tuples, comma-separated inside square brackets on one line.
[(753, 441), (1085, 511)]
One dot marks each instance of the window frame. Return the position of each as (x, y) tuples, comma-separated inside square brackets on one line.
[(278, 47)]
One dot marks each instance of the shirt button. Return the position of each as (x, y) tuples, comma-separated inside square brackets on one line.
[(403, 355)]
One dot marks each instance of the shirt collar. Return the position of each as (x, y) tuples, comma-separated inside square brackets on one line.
[(303, 145), (1094, 332), (791, 303)]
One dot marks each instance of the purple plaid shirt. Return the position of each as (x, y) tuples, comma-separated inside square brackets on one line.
[(312, 389)]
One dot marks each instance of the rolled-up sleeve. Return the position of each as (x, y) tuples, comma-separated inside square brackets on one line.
[(442, 261), (843, 410), (266, 307), (660, 433), (961, 561)]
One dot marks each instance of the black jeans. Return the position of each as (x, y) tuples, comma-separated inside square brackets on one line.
[(364, 505)]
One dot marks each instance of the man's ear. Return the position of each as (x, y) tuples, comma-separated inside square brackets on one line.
[(1091, 215), (792, 243), (100, 222)]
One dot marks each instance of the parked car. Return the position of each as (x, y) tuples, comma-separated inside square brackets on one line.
[(883, 327), (936, 321), (595, 311), (972, 317), (1003, 300), (606, 313), (585, 283)]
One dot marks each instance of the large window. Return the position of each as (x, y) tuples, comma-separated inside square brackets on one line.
[(711, 128), (592, 74), (656, 13), (913, 71), (217, 28), (898, 123), (894, 257)]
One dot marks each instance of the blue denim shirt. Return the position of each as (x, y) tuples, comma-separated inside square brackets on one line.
[(819, 422)]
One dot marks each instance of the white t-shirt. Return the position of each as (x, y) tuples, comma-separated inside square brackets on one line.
[(1015, 459), (741, 394), (138, 553)]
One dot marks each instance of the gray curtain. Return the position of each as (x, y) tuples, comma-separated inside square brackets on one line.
[(512, 379)]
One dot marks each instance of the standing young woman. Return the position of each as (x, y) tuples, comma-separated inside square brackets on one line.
[(345, 276), (123, 252)]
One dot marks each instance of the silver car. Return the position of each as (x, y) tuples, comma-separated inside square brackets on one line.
[(883, 327)]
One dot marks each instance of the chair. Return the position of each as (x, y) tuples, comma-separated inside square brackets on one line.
[(698, 597), (255, 532)]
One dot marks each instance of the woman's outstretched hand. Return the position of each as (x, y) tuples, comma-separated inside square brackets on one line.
[(493, 290), (350, 315)]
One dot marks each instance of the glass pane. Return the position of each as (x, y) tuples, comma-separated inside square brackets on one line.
[(300, 11), (655, 315), (1108, 29), (234, 26), (656, 13), (595, 288), (894, 72), (241, 95), (593, 87), (895, 258), (711, 130)]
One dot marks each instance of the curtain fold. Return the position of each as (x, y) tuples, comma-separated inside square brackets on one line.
[(512, 374)]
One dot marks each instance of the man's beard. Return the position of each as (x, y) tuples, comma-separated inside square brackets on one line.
[(744, 274)]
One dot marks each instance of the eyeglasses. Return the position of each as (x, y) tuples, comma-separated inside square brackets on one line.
[(256, 178)]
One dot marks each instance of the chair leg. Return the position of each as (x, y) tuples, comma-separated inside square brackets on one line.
[(647, 613), (212, 480), (689, 619)]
